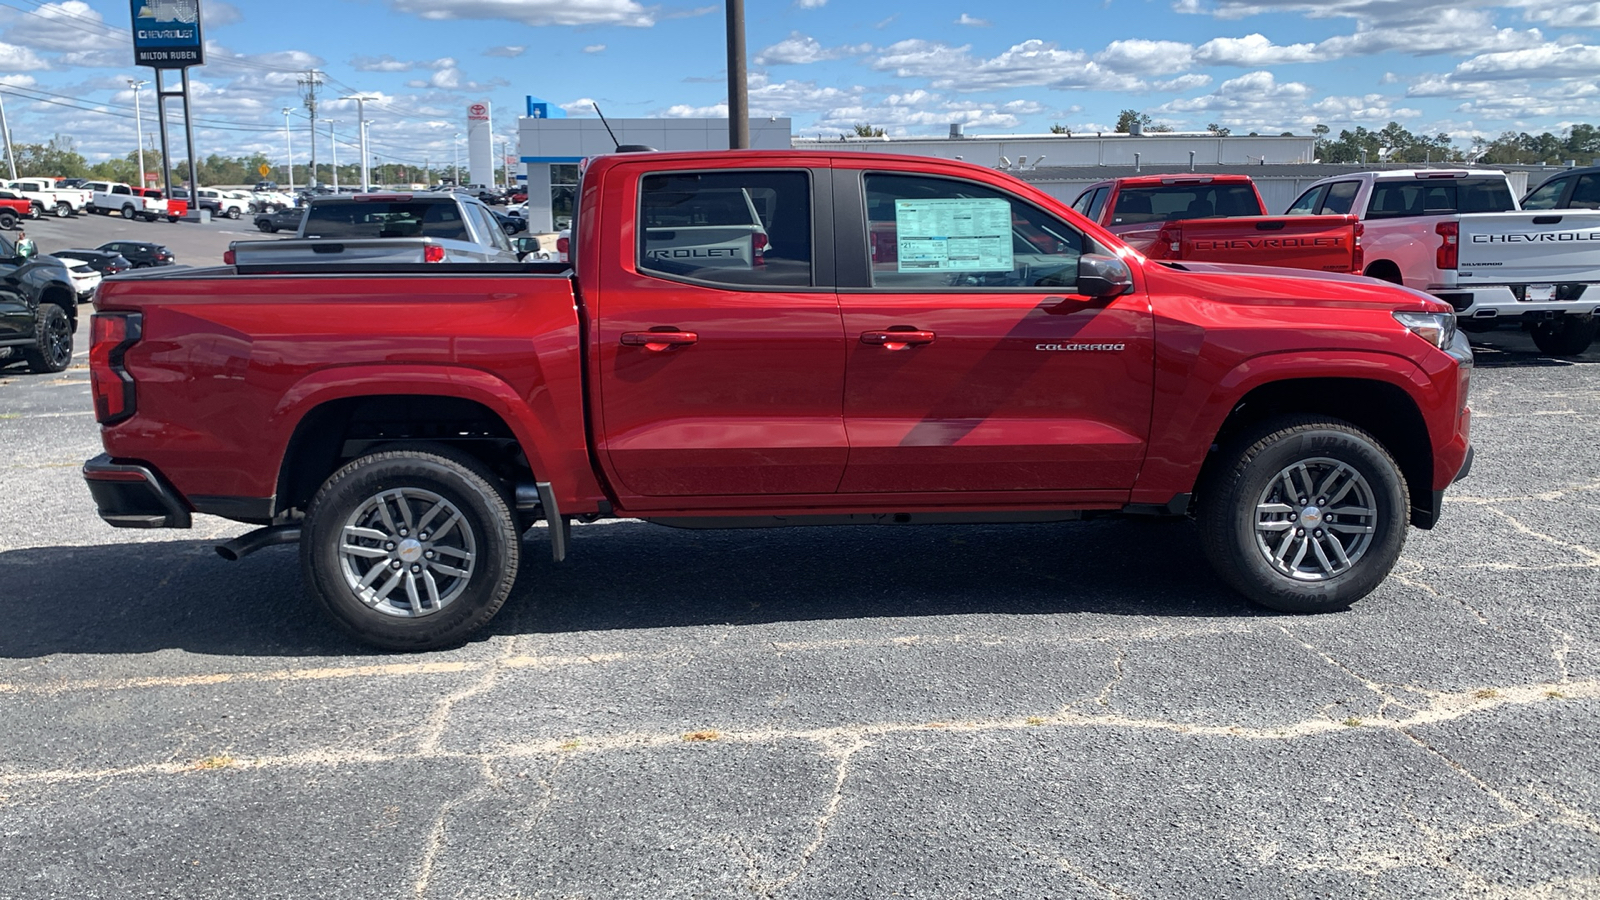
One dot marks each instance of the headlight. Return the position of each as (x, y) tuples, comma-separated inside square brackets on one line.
[(1438, 329)]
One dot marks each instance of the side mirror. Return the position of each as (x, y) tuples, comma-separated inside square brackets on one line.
[(26, 248), (528, 248), (1101, 277)]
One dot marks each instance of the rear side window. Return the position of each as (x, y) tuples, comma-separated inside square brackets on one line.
[(1547, 195), (1341, 198), (1169, 203), (384, 219), (737, 227), (1586, 193), (1438, 197), (1097, 204)]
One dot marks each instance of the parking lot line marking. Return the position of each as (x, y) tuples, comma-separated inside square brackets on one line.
[(321, 674)]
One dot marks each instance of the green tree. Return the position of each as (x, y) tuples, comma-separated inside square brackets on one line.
[(1058, 128), (1131, 117), (1219, 130), (865, 129), (59, 158)]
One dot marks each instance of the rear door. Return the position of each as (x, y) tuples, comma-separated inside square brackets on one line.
[(973, 364), (720, 373)]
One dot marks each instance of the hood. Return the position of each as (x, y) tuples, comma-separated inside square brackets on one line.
[(1267, 285)]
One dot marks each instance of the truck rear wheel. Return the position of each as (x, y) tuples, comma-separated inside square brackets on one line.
[(51, 350), (63, 209), (1304, 514), (233, 212), (411, 548), (8, 220), (1568, 335), (36, 210)]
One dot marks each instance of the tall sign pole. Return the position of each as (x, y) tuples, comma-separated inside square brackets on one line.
[(738, 84), (138, 124), (166, 36), (5, 132), (361, 117)]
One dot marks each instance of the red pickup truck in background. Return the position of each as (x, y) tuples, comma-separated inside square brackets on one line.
[(1218, 218), (1009, 361)]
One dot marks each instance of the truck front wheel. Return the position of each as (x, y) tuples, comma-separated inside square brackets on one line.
[(411, 548), (1568, 335), (51, 350), (1304, 514), (63, 209), (128, 212)]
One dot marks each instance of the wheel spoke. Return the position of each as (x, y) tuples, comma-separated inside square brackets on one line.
[(433, 589), (1329, 482), (411, 593), (1349, 511), (405, 508), (1338, 552), (1277, 557), (1344, 528), (449, 570), (1322, 558), (422, 523), (371, 534), (1299, 554), (383, 592), (383, 512), (455, 551), (1269, 508), (1340, 495), (1274, 526), (372, 575), (364, 552), (1310, 492), (450, 523)]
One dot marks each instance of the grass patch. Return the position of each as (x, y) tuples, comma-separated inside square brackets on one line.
[(1035, 720), (710, 734), (1555, 695), (1352, 722), (214, 762), (1486, 694), (569, 746)]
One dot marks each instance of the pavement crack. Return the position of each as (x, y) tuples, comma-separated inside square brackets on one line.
[(1409, 579), (438, 836), (843, 751), (433, 729), (1386, 699), (1589, 556), (1088, 880)]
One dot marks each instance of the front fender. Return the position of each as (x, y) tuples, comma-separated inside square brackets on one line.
[(1185, 425)]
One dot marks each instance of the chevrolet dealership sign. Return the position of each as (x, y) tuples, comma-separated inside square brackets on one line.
[(166, 34)]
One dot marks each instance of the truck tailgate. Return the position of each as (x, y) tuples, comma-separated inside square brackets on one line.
[(1321, 243), (1543, 247)]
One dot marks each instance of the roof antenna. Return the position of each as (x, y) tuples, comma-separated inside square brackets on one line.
[(621, 148)]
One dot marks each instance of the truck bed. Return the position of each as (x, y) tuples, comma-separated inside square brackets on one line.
[(1321, 243)]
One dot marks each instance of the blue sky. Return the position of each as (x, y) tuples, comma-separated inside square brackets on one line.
[(1463, 67)]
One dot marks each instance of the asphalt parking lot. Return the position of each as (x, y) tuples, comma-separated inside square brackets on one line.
[(1073, 710)]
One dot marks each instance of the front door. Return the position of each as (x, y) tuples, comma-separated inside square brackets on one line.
[(973, 365), (720, 348)]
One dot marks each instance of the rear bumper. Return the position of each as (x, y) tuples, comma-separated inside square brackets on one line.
[(133, 495), (1489, 301)]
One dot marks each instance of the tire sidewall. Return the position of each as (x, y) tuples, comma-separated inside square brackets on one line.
[(483, 511), (50, 317), (1250, 573)]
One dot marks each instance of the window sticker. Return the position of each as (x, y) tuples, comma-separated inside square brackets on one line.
[(960, 235)]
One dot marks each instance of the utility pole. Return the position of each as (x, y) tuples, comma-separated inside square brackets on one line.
[(361, 116), (738, 85), (333, 144), (310, 82), (138, 124), (289, 143), (457, 147), (5, 131)]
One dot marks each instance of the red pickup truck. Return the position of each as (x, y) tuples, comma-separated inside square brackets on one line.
[(1012, 362), (1218, 218)]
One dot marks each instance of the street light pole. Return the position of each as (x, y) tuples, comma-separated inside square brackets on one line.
[(5, 132), (457, 167), (138, 124), (334, 144), (289, 142), (361, 116)]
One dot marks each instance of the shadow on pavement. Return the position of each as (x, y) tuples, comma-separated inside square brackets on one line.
[(145, 597)]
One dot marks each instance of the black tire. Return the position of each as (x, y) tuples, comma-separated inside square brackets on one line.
[(266, 226), (486, 537), (51, 350), (8, 220), (63, 209), (36, 211), (1569, 335), (233, 212), (128, 212), (1245, 481)]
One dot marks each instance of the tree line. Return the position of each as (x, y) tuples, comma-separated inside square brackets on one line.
[(60, 158)]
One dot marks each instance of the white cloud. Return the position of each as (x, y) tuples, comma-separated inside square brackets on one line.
[(583, 106), (1253, 50), (1561, 14), (1146, 57), (800, 49), (1548, 61), (810, 4), (69, 27), (534, 12), (1182, 83), (384, 63), (973, 22), (19, 59), (595, 48), (507, 52)]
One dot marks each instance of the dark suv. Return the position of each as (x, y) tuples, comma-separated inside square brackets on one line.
[(142, 254), (38, 306)]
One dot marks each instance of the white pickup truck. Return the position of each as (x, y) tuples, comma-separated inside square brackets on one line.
[(47, 197), (1459, 234), (116, 198), (388, 228), (231, 204)]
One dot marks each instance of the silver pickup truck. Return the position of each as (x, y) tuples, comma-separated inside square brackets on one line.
[(386, 227)]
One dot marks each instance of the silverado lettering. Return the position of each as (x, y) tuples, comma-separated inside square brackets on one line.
[(407, 425)]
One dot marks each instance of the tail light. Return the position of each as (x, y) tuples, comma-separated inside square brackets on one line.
[(1169, 243), (112, 335), (563, 245), (1358, 254), (1449, 244), (432, 253), (758, 243), (228, 257)]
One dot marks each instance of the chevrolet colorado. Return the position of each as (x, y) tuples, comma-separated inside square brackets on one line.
[(1009, 361)]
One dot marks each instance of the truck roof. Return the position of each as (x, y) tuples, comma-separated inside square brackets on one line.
[(1180, 178)]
